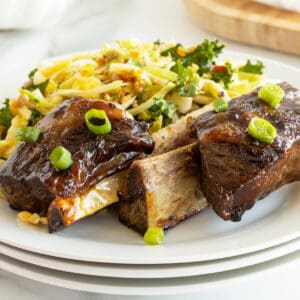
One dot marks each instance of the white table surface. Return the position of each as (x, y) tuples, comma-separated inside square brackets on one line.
[(87, 26)]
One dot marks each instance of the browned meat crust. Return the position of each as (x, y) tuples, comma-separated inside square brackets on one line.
[(30, 182), (236, 168)]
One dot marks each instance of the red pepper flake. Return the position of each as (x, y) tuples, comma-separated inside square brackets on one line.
[(219, 69)]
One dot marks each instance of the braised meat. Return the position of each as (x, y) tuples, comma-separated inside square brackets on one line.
[(30, 182), (162, 190), (237, 169)]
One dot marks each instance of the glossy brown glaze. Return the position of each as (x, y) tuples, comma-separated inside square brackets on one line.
[(30, 182), (237, 169)]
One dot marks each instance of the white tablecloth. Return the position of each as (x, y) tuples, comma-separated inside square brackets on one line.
[(87, 25)]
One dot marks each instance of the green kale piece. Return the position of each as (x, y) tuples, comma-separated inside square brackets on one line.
[(223, 74), (5, 114), (31, 73), (203, 55), (35, 117), (187, 83), (134, 62), (41, 86), (189, 89), (253, 68), (160, 110), (163, 108)]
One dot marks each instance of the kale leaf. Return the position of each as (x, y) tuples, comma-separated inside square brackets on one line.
[(41, 86), (223, 75), (189, 89), (172, 52), (157, 42), (35, 117), (252, 68), (31, 73), (187, 83), (164, 108), (203, 55), (161, 109), (5, 115)]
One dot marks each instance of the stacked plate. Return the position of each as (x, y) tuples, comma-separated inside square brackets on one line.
[(101, 255)]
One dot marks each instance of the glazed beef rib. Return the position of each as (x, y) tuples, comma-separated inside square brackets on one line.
[(237, 169), (30, 182)]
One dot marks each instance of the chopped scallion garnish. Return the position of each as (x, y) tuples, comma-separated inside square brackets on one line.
[(28, 134), (262, 130), (61, 158), (271, 93), (97, 121), (154, 236), (220, 104)]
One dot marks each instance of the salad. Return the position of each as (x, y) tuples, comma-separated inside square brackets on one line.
[(155, 82)]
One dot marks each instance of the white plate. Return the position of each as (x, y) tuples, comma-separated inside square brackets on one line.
[(161, 286), (150, 271), (102, 239), (273, 221)]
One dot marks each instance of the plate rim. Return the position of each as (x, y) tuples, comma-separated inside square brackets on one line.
[(193, 284), (194, 269)]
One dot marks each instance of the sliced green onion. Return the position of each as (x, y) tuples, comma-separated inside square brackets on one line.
[(61, 158), (97, 115), (220, 104), (28, 134), (271, 93), (154, 236), (262, 130)]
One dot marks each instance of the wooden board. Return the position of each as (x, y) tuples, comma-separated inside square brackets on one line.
[(249, 22)]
